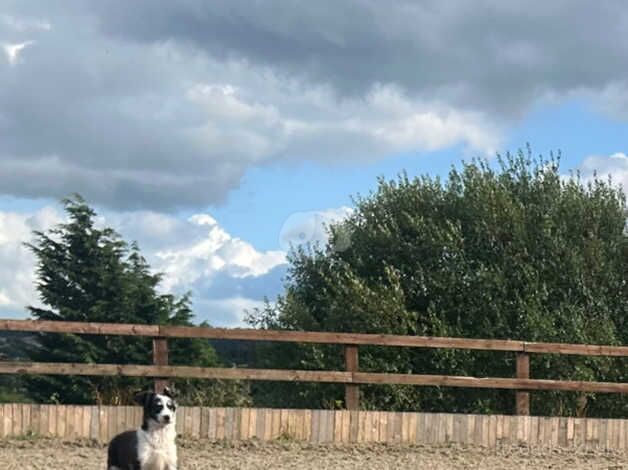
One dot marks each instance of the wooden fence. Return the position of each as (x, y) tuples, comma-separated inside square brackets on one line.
[(320, 426), (351, 377)]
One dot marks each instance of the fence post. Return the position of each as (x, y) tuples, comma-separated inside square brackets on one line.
[(352, 391), (160, 358), (522, 399)]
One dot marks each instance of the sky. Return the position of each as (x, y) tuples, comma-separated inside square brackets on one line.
[(218, 134)]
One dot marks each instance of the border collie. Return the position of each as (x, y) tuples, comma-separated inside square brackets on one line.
[(152, 447)]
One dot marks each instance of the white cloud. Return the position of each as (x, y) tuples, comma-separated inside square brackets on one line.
[(13, 51), (289, 122), (17, 277), (225, 274), (208, 250), (193, 254), (615, 166), (22, 24)]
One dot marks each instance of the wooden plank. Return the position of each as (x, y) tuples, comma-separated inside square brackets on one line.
[(196, 422), (555, 426), (79, 327), (73, 419), (211, 424), (449, 427), (292, 424), (457, 434), (16, 422), (188, 421), (354, 425), (276, 424), (307, 376), (160, 358), (309, 337), (35, 415), (258, 335), (205, 422), (51, 368), (284, 428), (232, 423), (68, 422), (376, 418), (339, 338), (365, 433), (315, 434), (102, 424), (94, 423), (579, 432), (79, 422), (180, 420), (307, 425), (534, 430), (477, 431), (492, 431), (602, 433), (327, 426), (86, 422), (7, 420), (498, 383), (62, 417), (220, 423), (562, 432), (576, 349), (27, 423), (384, 417), (51, 422), (42, 429), (260, 423)]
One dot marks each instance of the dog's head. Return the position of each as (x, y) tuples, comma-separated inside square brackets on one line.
[(159, 408)]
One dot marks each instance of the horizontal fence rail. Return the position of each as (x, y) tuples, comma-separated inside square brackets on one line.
[(283, 375), (356, 339), (351, 377)]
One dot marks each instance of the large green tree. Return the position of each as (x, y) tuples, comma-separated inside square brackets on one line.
[(88, 273), (506, 249)]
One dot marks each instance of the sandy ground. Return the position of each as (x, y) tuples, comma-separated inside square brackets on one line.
[(53, 454)]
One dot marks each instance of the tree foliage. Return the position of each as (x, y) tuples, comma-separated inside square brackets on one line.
[(510, 250), (87, 273)]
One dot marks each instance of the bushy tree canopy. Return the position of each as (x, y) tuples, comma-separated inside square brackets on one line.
[(507, 250)]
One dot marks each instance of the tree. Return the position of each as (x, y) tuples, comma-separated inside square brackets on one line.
[(88, 273), (513, 252)]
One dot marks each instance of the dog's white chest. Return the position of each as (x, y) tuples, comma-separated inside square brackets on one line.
[(156, 450)]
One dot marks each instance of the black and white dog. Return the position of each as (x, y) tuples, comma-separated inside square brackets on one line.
[(152, 447)]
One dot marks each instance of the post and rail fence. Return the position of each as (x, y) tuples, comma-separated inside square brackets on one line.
[(351, 377)]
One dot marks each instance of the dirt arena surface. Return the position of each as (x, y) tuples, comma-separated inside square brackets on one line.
[(197, 455)]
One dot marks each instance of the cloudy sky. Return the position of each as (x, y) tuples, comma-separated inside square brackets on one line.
[(217, 133)]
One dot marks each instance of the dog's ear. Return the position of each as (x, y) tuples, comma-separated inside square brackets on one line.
[(141, 397), (169, 392)]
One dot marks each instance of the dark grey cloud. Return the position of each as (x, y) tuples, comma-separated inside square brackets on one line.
[(164, 105), (492, 54)]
